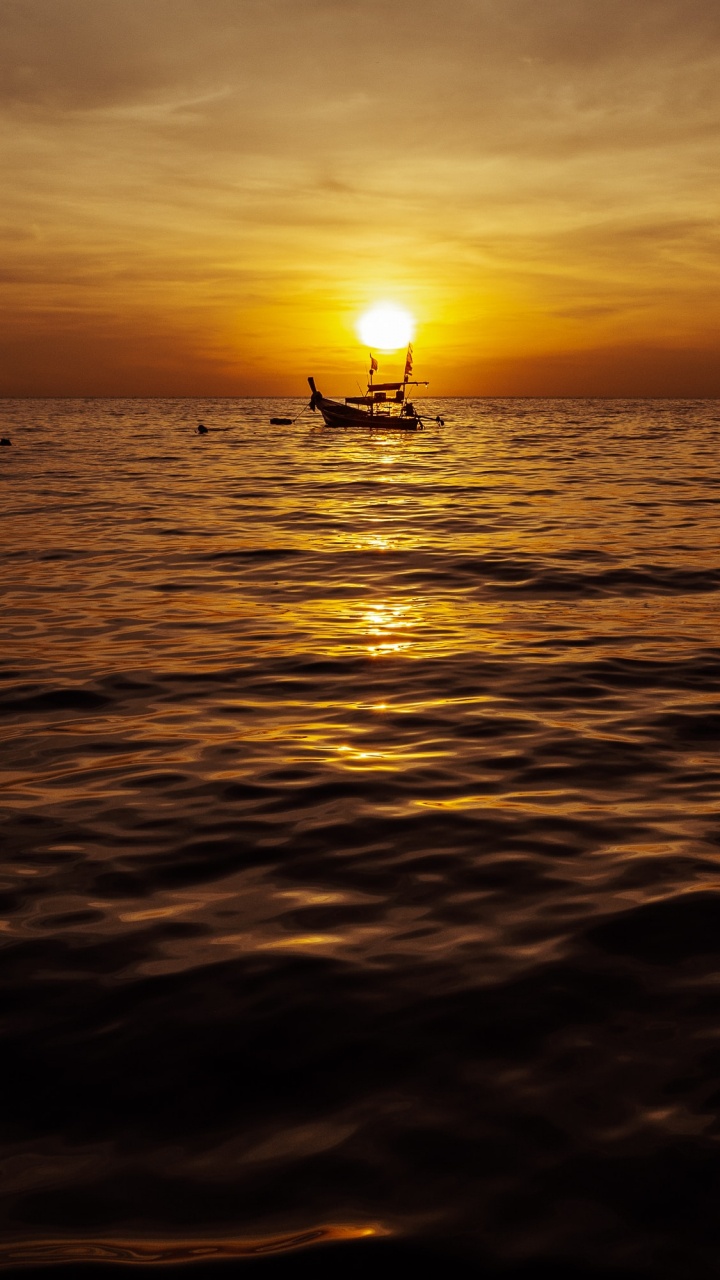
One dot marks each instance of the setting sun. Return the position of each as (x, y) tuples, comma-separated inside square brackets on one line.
[(386, 327)]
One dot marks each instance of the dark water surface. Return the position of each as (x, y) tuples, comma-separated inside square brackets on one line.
[(361, 875)]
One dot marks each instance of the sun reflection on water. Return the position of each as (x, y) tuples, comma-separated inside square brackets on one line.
[(384, 621), (41, 1252)]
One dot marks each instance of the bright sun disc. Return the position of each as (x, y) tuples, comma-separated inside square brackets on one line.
[(386, 327)]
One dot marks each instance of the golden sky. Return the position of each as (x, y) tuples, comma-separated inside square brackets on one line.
[(202, 196)]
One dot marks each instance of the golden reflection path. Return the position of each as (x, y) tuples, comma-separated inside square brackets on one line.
[(44, 1252)]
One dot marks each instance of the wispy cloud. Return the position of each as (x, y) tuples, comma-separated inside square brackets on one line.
[(543, 176)]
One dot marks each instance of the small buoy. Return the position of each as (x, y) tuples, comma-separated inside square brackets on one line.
[(5, 440), (202, 429), (281, 422)]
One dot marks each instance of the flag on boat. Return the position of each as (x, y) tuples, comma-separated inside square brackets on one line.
[(408, 361), (373, 364)]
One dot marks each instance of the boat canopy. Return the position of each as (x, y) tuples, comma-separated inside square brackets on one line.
[(386, 386)]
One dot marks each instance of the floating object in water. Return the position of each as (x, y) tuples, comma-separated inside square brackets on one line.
[(5, 440), (202, 429), (281, 422), (385, 406)]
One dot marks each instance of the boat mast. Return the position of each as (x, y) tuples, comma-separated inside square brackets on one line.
[(373, 367), (408, 371)]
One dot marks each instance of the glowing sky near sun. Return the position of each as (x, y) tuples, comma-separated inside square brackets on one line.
[(204, 196)]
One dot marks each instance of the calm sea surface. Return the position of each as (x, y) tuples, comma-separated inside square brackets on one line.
[(361, 859)]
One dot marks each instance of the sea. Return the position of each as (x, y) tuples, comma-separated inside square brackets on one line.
[(361, 840)]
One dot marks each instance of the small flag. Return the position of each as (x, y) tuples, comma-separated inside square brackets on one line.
[(373, 364), (408, 362)]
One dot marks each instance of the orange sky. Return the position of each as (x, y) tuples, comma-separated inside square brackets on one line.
[(201, 196)]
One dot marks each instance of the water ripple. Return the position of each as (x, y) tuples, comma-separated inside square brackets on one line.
[(361, 823)]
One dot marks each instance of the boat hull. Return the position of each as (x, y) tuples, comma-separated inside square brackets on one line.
[(345, 415)]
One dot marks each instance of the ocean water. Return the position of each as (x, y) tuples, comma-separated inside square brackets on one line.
[(361, 838)]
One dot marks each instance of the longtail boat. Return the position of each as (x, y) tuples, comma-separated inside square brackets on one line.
[(384, 407)]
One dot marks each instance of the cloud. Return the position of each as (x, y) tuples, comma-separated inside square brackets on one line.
[(254, 164), (625, 370), (78, 53)]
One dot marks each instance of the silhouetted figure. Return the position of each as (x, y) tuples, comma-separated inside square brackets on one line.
[(5, 440), (202, 429)]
